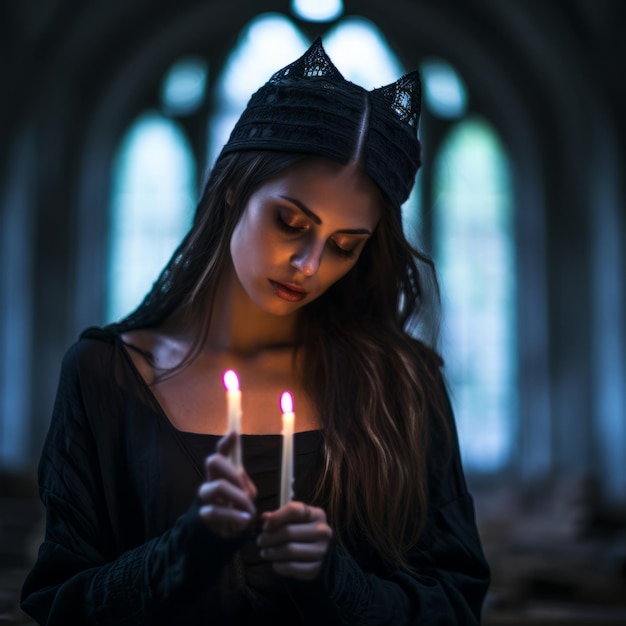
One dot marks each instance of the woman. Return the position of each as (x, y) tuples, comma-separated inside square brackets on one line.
[(297, 275)]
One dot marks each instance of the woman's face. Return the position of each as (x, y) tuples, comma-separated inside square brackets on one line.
[(301, 232)]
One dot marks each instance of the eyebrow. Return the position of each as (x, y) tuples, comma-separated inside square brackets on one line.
[(305, 209)]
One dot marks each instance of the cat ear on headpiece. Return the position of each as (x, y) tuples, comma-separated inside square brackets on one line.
[(314, 63), (309, 107), (404, 97)]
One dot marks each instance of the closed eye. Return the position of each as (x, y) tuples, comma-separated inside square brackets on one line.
[(288, 228), (342, 252), (335, 247)]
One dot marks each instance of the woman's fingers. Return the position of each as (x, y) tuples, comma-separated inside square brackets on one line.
[(219, 465), (226, 443), (225, 521), (295, 538), (221, 492), (309, 532), (293, 513), (298, 569), (227, 496), (293, 551)]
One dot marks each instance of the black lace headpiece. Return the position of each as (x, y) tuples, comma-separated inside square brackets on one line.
[(308, 106)]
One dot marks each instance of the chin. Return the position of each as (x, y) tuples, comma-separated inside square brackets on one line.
[(284, 309)]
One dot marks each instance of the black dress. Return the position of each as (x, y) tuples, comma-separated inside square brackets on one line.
[(124, 543)]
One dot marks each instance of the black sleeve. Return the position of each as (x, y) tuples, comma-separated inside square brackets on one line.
[(79, 576), (447, 587), (449, 578)]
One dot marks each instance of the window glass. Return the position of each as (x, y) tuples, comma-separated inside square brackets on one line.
[(184, 86), (474, 250), (266, 44), (317, 10), (153, 198), (361, 53), (444, 92)]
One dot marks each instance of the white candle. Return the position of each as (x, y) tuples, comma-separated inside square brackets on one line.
[(233, 400), (286, 474)]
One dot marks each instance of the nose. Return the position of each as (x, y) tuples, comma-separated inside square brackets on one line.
[(307, 259)]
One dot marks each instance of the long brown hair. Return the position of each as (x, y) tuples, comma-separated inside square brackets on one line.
[(378, 390), (375, 386)]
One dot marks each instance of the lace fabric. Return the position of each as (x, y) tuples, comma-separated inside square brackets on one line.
[(308, 106)]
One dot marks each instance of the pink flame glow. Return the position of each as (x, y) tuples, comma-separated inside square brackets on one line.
[(286, 402), (231, 382)]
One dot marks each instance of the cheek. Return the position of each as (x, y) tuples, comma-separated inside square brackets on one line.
[(242, 239), (250, 246), (241, 247), (236, 244)]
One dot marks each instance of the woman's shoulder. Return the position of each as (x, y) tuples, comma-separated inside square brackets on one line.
[(91, 342), (93, 350), (151, 349), (158, 347), (103, 338), (100, 346)]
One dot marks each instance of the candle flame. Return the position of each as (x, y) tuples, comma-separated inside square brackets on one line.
[(231, 382), (286, 402)]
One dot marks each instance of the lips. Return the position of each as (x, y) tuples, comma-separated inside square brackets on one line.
[(288, 291)]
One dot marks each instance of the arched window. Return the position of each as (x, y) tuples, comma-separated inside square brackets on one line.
[(153, 197), (474, 252), (270, 41)]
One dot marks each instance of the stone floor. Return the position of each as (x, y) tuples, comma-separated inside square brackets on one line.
[(555, 557)]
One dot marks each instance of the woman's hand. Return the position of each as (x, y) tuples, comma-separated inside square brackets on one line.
[(227, 496), (295, 539)]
